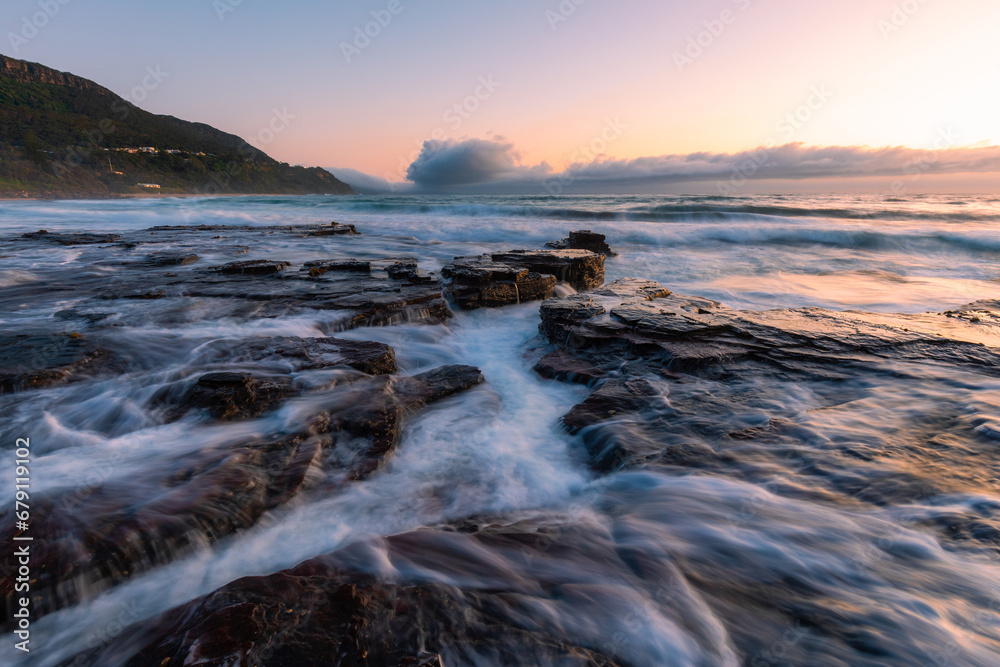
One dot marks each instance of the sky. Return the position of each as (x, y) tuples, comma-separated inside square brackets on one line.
[(563, 95)]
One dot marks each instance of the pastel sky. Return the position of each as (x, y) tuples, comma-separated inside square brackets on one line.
[(543, 85)]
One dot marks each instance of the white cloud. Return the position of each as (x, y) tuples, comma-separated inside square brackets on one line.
[(492, 166)]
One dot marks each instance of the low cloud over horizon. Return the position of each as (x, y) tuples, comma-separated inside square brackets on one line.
[(493, 166), (450, 164)]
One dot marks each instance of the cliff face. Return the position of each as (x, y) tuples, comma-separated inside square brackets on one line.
[(27, 72), (58, 131)]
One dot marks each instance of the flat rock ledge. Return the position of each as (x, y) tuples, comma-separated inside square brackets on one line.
[(582, 269), (319, 267), (91, 542), (479, 282), (501, 279), (241, 394), (237, 395), (331, 610), (631, 336), (691, 333), (336, 229), (32, 361), (584, 239), (79, 238), (253, 267), (178, 265)]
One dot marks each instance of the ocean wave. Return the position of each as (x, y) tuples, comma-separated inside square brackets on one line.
[(607, 212), (10, 278), (482, 210), (803, 236), (706, 209)]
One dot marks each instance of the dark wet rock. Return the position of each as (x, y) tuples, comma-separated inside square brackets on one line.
[(81, 238), (88, 539), (240, 394), (584, 240), (375, 409), (306, 354), (357, 618), (495, 591), (689, 333), (232, 395), (437, 384), (615, 399), (502, 279), (684, 455), (330, 606), (364, 300), (336, 229), (636, 440), (384, 307), (320, 267), (964, 526), (170, 259), (402, 270), (333, 229), (253, 267), (138, 296), (258, 289), (366, 356), (754, 432), (480, 282), (31, 361), (632, 329), (619, 425), (89, 318), (407, 270), (563, 366), (367, 300), (582, 269), (92, 538)]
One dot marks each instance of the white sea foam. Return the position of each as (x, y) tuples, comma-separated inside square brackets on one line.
[(811, 520), (9, 278)]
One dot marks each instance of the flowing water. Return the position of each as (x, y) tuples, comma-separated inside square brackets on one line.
[(875, 524)]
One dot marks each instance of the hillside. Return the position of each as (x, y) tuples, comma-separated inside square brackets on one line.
[(65, 136)]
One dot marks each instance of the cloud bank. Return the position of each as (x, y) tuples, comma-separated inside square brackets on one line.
[(450, 164), (494, 166), (788, 162)]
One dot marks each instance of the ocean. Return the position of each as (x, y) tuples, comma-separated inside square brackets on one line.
[(868, 534)]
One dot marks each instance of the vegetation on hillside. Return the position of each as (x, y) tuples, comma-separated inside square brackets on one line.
[(57, 139)]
